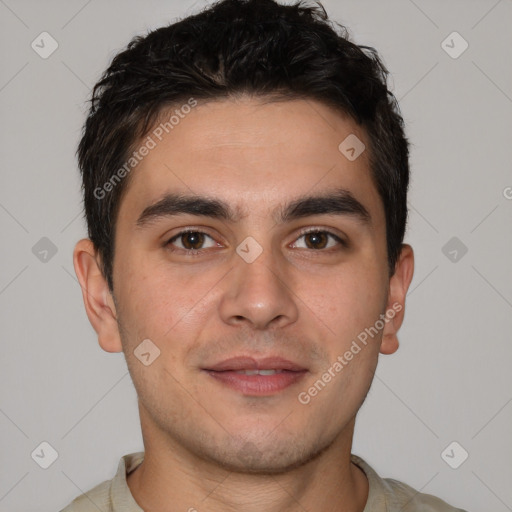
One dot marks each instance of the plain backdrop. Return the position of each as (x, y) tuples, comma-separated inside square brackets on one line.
[(450, 381)]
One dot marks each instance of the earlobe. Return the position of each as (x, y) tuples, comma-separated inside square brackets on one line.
[(395, 309), (389, 344), (98, 301)]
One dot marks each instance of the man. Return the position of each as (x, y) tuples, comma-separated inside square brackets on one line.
[(245, 179)]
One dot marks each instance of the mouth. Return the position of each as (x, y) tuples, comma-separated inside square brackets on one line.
[(257, 377)]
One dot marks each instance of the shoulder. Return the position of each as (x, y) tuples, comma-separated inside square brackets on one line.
[(98, 498), (408, 499), (389, 495), (110, 495)]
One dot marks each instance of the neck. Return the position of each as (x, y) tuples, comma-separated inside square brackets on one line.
[(171, 478)]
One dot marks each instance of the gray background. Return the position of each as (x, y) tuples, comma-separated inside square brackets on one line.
[(450, 379)]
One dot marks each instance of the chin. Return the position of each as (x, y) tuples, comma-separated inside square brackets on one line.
[(267, 460)]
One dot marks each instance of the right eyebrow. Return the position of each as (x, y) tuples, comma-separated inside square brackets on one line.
[(176, 204)]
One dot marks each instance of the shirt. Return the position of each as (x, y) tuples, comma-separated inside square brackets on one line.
[(384, 494)]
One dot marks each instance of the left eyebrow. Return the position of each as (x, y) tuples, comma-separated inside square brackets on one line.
[(337, 202)]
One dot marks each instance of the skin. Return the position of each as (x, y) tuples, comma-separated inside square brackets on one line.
[(207, 446)]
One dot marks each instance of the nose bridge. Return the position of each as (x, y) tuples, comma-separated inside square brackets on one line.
[(258, 292)]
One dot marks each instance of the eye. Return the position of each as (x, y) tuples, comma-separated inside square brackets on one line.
[(190, 241), (318, 239)]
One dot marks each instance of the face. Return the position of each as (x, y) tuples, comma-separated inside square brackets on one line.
[(261, 280)]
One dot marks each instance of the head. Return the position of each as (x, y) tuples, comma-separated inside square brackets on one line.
[(246, 125)]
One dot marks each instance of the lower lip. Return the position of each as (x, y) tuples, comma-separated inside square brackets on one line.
[(257, 385)]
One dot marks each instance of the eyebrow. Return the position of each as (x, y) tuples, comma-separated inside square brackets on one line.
[(338, 202)]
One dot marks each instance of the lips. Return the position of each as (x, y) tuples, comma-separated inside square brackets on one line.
[(257, 377), (250, 363), (259, 372)]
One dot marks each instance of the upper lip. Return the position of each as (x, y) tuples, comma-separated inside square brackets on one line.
[(252, 363)]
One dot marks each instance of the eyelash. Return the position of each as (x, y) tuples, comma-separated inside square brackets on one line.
[(198, 252)]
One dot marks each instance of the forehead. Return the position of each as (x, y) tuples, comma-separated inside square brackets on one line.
[(254, 155)]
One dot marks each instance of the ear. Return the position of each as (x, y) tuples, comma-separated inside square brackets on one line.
[(395, 309), (98, 300)]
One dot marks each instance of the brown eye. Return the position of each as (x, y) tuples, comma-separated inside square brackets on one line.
[(316, 240), (319, 240), (192, 241)]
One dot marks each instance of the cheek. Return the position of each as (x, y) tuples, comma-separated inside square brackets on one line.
[(162, 305), (347, 300)]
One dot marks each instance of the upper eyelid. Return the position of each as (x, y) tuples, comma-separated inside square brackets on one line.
[(189, 230), (341, 239)]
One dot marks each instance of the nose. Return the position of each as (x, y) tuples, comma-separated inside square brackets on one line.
[(259, 294)]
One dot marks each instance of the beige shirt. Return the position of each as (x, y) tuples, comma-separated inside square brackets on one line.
[(384, 495)]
